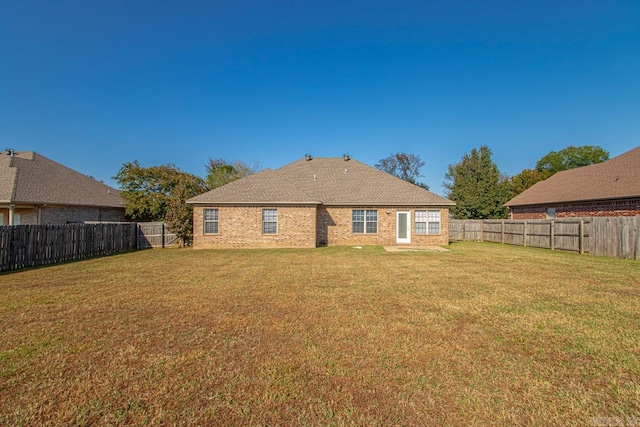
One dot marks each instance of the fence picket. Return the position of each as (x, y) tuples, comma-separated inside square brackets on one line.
[(24, 246), (617, 237)]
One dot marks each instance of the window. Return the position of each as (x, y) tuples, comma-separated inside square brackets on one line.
[(270, 221), (365, 221), (421, 222), (211, 221), (551, 212), (433, 227)]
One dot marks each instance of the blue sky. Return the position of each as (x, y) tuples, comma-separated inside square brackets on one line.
[(95, 84)]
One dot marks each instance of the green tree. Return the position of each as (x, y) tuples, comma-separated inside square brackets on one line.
[(524, 180), (157, 193), (219, 172), (179, 215), (571, 157), (475, 184), (404, 166)]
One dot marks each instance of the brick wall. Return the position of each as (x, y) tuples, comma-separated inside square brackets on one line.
[(335, 227), (241, 227), (66, 214), (574, 210), (303, 226)]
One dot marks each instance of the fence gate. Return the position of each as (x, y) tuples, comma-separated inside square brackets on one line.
[(155, 235)]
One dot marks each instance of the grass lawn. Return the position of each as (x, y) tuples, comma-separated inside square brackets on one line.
[(485, 334)]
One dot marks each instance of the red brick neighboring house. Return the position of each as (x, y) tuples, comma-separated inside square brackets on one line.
[(37, 190), (610, 188), (319, 202)]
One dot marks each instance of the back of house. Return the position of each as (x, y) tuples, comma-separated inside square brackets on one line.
[(319, 202)]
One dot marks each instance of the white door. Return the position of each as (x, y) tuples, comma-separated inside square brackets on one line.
[(403, 227)]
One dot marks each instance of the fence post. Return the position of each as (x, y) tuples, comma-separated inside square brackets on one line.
[(502, 232), (637, 257), (482, 231), (524, 234), (552, 234), (581, 239)]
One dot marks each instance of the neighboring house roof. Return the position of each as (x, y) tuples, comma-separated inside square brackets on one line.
[(328, 181), (29, 178), (618, 178)]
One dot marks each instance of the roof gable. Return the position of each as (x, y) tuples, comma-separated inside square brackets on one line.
[(617, 178), (30, 178), (328, 181)]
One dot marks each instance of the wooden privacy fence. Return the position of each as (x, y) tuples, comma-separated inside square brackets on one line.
[(617, 237), (155, 235), (24, 246)]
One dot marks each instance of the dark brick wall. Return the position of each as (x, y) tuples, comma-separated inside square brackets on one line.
[(585, 209)]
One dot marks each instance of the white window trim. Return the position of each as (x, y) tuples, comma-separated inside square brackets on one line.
[(425, 222), (205, 221), (270, 222), (364, 221), (439, 222)]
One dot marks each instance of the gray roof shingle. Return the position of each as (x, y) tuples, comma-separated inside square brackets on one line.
[(31, 178), (617, 178), (328, 181)]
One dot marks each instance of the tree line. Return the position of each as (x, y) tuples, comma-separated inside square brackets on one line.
[(476, 184), (158, 193), (480, 190)]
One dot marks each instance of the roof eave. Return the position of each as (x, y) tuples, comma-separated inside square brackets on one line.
[(315, 203), (550, 202), (383, 204), (53, 204), (258, 203)]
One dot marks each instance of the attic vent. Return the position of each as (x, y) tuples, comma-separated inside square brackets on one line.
[(346, 157), (307, 157)]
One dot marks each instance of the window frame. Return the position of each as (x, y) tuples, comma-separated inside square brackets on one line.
[(206, 221), (423, 221), (438, 214), (269, 221), (366, 225)]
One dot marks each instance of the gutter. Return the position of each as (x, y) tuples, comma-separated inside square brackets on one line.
[(549, 202)]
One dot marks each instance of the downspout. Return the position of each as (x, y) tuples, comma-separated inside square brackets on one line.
[(11, 208)]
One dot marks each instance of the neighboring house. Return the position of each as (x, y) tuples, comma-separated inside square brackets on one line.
[(319, 202), (37, 190), (610, 188)]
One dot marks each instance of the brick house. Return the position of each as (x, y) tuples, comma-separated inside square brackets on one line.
[(610, 188), (319, 202), (37, 190)]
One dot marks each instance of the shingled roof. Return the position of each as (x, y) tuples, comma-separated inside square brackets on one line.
[(618, 178), (29, 178), (327, 181)]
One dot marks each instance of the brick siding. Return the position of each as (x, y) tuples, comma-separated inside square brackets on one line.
[(306, 226), (66, 214), (241, 227), (573, 210)]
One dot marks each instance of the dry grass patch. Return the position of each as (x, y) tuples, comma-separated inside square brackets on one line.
[(484, 334)]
